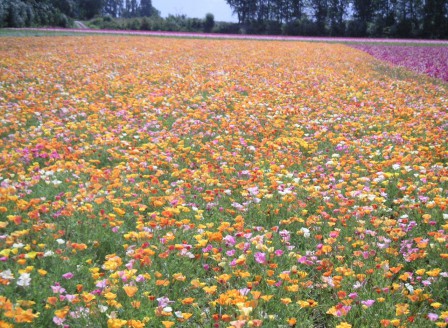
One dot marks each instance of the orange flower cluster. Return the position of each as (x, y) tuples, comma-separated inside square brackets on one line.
[(150, 182)]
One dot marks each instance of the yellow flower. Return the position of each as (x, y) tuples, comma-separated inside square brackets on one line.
[(116, 323), (210, 290), (395, 322), (119, 211), (344, 325)]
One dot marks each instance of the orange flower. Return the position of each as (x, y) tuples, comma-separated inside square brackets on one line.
[(401, 309), (25, 316), (62, 313), (130, 290), (187, 301), (135, 324)]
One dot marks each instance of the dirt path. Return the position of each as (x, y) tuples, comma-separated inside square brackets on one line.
[(80, 25)]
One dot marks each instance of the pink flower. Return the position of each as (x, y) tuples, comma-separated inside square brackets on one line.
[(368, 303), (57, 289), (260, 257), (58, 321), (68, 275), (230, 240), (278, 252), (231, 252), (164, 301), (70, 298), (101, 283), (433, 316)]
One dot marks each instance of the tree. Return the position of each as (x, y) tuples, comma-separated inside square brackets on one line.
[(209, 23), (336, 12), (363, 14), (320, 8), (246, 10), (113, 8), (435, 19), (146, 8), (89, 8)]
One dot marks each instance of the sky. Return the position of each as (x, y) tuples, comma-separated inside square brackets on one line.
[(196, 8)]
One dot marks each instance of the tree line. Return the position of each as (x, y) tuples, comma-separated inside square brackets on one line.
[(351, 18), (355, 18), (25, 13)]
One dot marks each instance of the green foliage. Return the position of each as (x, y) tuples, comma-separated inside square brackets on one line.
[(17, 13)]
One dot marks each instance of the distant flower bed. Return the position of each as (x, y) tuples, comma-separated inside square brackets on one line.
[(432, 61)]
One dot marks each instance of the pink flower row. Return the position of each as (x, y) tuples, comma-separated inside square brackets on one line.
[(243, 36), (432, 61)]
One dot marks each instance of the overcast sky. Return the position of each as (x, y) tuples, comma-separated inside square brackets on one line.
[(196, 8)]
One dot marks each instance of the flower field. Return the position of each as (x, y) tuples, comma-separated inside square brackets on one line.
[(432, 61), (154, 182)]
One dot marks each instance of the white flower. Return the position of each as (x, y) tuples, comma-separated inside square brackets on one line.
[(306, 232), (396, 166), (102, 308), (60, 241), (17, 245), (410, 288), (7, 274), (48, 253), (24, 280), (445, 216)]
